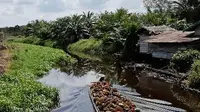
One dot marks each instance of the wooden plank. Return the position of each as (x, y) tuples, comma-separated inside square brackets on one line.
[(164, 55), (93, 103), (143, 47)]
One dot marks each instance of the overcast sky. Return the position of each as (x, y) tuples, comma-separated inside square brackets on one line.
[(13, 12)]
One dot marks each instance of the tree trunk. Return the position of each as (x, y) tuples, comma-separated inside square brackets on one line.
[(130, 48)]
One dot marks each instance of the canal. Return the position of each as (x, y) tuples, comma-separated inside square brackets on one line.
[(148, 93)]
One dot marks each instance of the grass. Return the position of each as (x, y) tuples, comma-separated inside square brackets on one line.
[(90, 46), (19, 90), (23, 39), (87, 56), (31, 40)]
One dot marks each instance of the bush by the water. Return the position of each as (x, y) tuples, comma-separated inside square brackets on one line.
[(183, 60), (180, 25), (19, 89), (94, 46), (90, 46), (194, 77)]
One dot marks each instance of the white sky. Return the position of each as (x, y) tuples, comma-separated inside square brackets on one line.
[(19, 12)]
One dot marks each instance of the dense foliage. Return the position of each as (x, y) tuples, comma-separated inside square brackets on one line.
[(97, 34), (111, 25), (14, 31), (20, 92), (194, 77), (113, 28), (183, 60), (90, 46), (188, 61), (181, 9), (187, 9)]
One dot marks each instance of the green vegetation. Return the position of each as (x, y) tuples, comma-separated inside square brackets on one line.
[(13, 31), (20, 92), (181, 9), (194, 77), (89, 46), (88, 56), (27, 40), (188, 61), (183, 60), (112, 28), (31, 40), (111, 32)]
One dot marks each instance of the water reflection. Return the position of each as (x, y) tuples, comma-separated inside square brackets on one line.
[(187, 98), (73, 91)]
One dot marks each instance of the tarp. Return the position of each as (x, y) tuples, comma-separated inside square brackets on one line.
[(75, 100), (73, 91)]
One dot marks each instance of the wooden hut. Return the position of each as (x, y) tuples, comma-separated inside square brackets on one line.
[(146, 32), (164, 44)]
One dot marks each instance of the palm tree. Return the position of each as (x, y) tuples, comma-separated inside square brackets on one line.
[(188, 9), (90, 20), (37, 28), (69, 29)]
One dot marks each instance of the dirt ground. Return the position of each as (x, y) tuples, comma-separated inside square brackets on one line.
[(4, 59)]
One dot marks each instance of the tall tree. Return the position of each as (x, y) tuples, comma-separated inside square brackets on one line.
[(187, 9), (69, 29), (157, 5), (37, 28)]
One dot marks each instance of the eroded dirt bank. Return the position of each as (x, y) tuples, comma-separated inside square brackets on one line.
[(4, 58)]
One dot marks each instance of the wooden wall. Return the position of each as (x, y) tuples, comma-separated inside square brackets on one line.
[(197, 31), (166, 50)]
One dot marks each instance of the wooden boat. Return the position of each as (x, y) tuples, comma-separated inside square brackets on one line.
[(93, 103), (111, 100)]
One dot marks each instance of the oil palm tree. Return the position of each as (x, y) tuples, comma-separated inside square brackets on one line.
[(69, 29), (89, 19), (187, 9)]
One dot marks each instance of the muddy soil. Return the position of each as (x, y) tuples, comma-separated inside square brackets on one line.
[(178, 79), (4, 59)]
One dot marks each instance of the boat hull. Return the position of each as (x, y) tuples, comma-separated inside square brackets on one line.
[(92, 100)]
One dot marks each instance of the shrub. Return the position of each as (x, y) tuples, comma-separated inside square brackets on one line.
[(49, 43), (111, 45), (27, 40), (180, 25), (183, 60), (194, 77), (32, 40), (91, 46)]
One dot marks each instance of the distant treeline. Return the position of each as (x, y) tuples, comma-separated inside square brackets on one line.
[(13, 31)]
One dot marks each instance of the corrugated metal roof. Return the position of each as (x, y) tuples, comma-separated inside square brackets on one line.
[(171, 37), (159, 29)]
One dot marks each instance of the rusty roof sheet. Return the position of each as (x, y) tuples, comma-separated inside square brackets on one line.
[(160, 29), (171, 37)]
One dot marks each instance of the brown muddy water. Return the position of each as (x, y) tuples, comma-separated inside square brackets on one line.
[(148, 93)]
